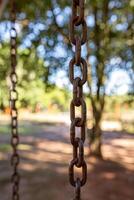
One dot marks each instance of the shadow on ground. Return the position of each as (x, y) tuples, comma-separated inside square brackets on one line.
[(44, 168)]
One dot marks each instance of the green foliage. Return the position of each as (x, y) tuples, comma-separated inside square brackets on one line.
[(33, 86), (59, 98), (5, 147), (122, 101), (128, 127), (34, 94), (44, 29), (4, 71)]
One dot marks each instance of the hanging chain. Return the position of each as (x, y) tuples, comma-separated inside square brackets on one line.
[(13, 98), (78, 161)]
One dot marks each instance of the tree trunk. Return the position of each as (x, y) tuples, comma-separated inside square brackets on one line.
[(95, 134), (95, 140), (1, 105), (2, 6)]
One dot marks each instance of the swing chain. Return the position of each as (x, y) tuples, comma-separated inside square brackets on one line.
[(13, 98), (78, 161)]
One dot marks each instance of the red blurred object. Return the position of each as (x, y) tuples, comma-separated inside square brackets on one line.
[(7, 110)]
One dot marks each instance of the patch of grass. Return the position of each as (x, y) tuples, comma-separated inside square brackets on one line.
[(4, 129), (128, 127), (28, 129), (5, 147), (23, 128)]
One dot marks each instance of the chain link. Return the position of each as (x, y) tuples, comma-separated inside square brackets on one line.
[(13, 98), (78, 161)]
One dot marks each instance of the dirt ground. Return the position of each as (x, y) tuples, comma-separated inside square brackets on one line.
[(44, 166)]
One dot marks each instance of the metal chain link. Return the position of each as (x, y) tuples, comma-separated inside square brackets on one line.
[(13, 98), (78, 161)]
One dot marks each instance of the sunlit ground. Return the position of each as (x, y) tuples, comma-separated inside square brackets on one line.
[(45, 152)]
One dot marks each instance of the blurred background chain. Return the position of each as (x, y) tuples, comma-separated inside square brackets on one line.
[(13, 98)]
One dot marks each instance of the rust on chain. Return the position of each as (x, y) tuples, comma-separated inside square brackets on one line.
[(77, 19), (77, 190), (15, 178), (78, 5), (83, 66), (72, 32), (78, 51), (71, 173), (78, 149)]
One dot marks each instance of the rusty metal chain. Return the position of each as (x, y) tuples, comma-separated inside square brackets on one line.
[(13, 98), (77, 19)]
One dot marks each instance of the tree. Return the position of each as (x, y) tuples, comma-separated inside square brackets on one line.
[(108, 38), (106, 42), (44, 26)]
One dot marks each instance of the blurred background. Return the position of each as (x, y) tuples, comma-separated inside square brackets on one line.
[(44, 52)]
